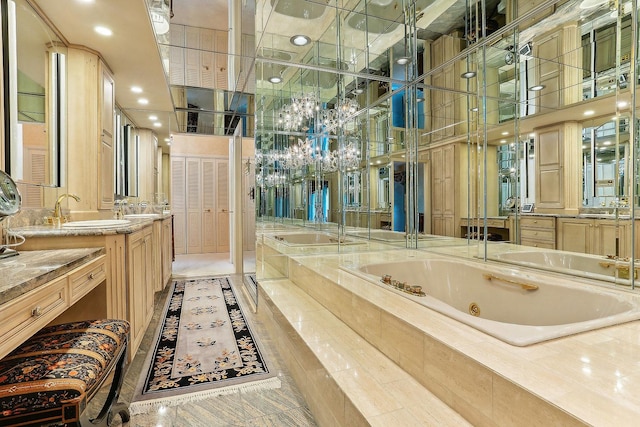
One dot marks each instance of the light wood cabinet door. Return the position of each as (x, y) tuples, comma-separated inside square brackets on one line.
[(178, 203), (575, 235), (611, 238), (167, 250), (549, 168), (140, 283)]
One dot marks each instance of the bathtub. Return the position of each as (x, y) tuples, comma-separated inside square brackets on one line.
[(314, 239), (517, 307), (591, 266)]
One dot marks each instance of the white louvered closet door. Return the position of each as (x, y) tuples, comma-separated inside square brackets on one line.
[(222, 205), (35, 170), (208, 205), (194, 206), (178, 204)]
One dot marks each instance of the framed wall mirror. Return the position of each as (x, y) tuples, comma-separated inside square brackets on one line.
[(34, 99)]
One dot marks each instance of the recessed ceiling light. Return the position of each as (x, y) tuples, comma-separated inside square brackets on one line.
[(536, 88), (86, 1), (300, 40), (143, 101), (419, 99), (275, 79), (622, 104), (532, 135), (167, 140), (403, 60), (474, 109), (378, 161), (468, 74), (157, 124), (153, 118), (168, 143), (358, 91), (589, 113), (503, 141), (606, 143), (505, 133), (103, 31), (136, 89)]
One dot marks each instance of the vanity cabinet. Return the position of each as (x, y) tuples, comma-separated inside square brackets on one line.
[(25, 315), (594, 236), (135, 266), (167, 250), (538, 231), (140, 283)]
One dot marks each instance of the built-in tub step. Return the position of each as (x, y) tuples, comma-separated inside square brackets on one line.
[(344, 379)]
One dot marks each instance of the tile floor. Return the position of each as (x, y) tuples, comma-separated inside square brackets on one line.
[(280, 407)]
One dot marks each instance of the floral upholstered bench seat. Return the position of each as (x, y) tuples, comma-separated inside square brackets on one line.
[(53, 375)]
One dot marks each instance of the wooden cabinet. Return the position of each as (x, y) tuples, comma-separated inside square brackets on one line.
[(156, 255), (140, 289), (167, 250), (444, 190), (594, 236), (22, 317), (538, 231), (131, 273)]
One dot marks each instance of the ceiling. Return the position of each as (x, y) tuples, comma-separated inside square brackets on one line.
[(132, 53)]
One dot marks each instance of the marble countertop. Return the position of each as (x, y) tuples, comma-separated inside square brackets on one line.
[(30, 269), (134, 225)]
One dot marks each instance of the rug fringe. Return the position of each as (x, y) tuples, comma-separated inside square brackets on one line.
[(145, 407)]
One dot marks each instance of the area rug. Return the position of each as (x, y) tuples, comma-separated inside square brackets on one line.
[(203, 348)]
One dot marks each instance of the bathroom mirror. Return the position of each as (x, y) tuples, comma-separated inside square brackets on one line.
[(461, 124), (126, 156), (35, 102)]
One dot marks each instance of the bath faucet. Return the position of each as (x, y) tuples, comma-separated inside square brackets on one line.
[(56, 209)]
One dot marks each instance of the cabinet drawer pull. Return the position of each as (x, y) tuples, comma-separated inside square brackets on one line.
[(36, 312), (91, 276)]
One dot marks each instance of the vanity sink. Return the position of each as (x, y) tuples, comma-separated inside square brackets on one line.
[(98, 223), (144, 215)]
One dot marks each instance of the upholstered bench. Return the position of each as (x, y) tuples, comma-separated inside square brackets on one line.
[(52, 376)]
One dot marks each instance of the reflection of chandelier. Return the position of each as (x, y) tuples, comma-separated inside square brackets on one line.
[(302, 108), (336, 117), (271, 180), (294, 116)]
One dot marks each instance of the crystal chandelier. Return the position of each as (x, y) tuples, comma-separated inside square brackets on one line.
[(302, 109)]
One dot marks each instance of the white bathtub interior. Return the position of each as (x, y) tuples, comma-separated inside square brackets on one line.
[(557, 308)]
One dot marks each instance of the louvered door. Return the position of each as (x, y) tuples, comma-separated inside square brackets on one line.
[(194, 206), (222, 204), (208, 206), (178, 203)]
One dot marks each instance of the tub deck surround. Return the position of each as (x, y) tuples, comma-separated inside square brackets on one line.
[(588, 378), (31, 269), (345, 380)]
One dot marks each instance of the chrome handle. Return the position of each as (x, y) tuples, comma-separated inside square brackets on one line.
[(36, 312)]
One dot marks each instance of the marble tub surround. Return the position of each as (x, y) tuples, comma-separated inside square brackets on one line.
[(589, 378), (345, 380), (30, 269)]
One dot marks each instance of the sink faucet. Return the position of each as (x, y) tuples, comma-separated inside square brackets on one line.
[(56, 209)]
